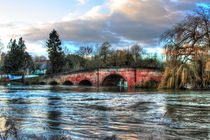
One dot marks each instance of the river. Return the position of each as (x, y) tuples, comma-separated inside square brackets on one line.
[(72, 112)]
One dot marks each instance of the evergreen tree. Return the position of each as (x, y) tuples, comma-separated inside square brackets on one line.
[(56, 55), (17, 60)]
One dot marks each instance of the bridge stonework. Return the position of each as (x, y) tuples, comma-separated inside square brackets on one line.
[(133, 76)]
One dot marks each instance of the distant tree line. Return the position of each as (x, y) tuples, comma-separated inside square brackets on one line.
[(106, 56)]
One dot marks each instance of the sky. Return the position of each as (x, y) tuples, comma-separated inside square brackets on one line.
[(87, 22)]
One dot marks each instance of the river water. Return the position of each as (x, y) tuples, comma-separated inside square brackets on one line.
[(71, 112)]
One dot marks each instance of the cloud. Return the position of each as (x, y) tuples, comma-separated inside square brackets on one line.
[(140, 21), (75, 30)]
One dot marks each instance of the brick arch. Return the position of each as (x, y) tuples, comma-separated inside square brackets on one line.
[(68, 82), (78, 77), (112, 79), (125, 74), (53, 82), (85, 82)]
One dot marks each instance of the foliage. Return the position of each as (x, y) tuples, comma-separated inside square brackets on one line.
[(148, 84), (187, 46), (96, 62), (104, 51), (107, 57), (56, 55), (179, 76), (17, 60), (186, 38), (3, 55), (137, 51), (75, 62), (151, 62)]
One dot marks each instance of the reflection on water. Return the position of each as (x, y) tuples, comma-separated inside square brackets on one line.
[(71, 112), (54, 110)]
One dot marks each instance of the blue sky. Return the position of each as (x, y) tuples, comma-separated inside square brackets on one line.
[(121, 22)]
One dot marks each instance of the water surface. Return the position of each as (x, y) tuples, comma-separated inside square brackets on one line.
[(71, 112)]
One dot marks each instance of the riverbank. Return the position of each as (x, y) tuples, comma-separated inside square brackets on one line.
[(31, 81), (150, 84)]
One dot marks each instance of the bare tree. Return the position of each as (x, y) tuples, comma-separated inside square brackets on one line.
[(136, 51), (85, 51), (189, 36), (187, 45)]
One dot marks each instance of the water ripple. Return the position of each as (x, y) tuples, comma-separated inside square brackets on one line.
[(70, 112)]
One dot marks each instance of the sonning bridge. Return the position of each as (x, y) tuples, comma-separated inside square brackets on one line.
[(105, 77)]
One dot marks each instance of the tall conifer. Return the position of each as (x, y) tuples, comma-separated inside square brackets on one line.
[(56, 53)]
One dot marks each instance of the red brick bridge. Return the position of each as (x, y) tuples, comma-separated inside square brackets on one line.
[(105, 77)]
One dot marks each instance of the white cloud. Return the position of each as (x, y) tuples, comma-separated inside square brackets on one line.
[(36, 48), (94, 12)]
